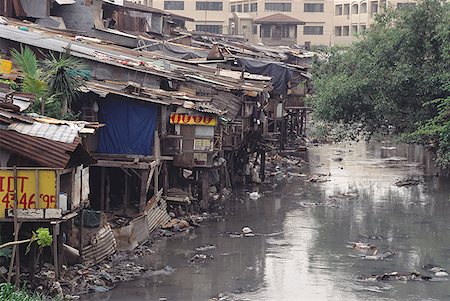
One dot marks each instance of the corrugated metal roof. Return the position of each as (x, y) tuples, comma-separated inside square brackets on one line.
[(46, 153), (62, 133)]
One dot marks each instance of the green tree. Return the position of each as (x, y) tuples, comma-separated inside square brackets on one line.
[(385, 78), (65, 76), (33, 78)]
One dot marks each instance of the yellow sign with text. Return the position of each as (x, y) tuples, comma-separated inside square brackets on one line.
[(192, 120), (36, 189)]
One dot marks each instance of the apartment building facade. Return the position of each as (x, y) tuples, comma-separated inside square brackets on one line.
[(352, 18), (321, 22), (209, 15), (317, 16)]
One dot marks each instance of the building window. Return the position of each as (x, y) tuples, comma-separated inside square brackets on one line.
[(205, 5), (338, 31), (265, 31), (313, 30), (338, 10), (345, 31), (253, 7), (362, 29), (313, 7), (346, 9), (281, 6), (354, 29), (246, 8), (233, 8), (354, 9), (254, 29), (174, 5), (239, 8), (209, 28), (373, 7), (363, 8)]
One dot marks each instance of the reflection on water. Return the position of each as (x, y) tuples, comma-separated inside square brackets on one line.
[(301, 253)]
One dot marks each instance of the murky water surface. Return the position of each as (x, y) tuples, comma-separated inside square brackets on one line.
[(300, 251)]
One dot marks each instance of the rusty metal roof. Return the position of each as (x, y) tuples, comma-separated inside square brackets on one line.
[(44, 152)]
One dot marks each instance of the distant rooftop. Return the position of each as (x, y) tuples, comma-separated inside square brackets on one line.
[(278, 19)]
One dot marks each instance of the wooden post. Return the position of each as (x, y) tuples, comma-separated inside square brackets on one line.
[(205, 186), (156, 180), (108, 189), (80, 233), (55, 250), (102, 189), (262, 170), (16, 250), (125, 198), (166, 178), (58, 188), (275, 117), (233, 171), (143, 194), (163, 120)]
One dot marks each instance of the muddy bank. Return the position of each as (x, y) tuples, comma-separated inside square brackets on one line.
[(302, 230)]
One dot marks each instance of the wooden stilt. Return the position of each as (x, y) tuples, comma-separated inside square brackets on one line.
[(55, 227), (15, 252), (166, 178), (80, 232), (143, 193), (262, 171), (205, 186), (102, 189), (108, 190), (126, 195)]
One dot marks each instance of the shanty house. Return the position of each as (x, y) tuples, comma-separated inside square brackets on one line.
[(44, 173)]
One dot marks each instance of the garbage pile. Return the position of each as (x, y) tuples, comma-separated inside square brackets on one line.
[(79, 279)]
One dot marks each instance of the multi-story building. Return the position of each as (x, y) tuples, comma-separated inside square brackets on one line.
[(352, 18), (209, 15), (317, 22), (317, 16)]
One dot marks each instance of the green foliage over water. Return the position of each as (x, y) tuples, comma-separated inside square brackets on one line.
[(396, 77)]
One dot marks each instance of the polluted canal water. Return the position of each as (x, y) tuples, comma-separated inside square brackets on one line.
[(316, 240)]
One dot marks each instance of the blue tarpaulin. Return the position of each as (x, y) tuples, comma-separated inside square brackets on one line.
[(129, 126)]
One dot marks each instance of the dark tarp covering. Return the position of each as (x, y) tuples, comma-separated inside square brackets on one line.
[(280, 73), (129, 126), (176, 51)]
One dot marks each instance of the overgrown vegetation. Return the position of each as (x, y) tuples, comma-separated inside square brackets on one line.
[(55, 81), (9, 292), (395, 78)]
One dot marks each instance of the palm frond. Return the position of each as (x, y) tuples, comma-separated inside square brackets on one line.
[(26, 60)]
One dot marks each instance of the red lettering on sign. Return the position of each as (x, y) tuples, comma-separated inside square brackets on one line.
[(8, 199), (48, 199), (1, 184), (186, 118), (207, 119), (172, 118), (198, 119), (10, 183)]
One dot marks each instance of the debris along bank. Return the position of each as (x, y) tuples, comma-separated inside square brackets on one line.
[(156, 132)]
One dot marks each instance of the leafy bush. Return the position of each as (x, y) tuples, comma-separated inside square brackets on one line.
[(8, 292)]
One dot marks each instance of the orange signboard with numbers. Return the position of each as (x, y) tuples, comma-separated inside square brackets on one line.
[(36, 189), (192, 120)]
